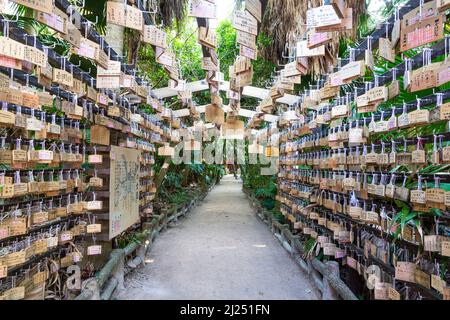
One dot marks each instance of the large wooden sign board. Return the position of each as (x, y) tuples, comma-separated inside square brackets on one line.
[(124, 190)]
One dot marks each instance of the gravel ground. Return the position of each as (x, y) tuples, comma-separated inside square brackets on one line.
[(220, 251)]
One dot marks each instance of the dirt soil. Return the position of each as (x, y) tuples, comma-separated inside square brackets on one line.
[(220, 251)]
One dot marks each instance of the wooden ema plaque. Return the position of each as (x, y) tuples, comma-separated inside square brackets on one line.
[(316, 39), (39, 5), (73, 36), (57, 19), (207, 37), (154, 36), (248, 52), (421, 33), (11, 48), (347, 73), (304, 51), (214, 114), (386, 49), (244, 21), (124, 15), (255, 8), (322, 17), (202, 9), (209, 65), (165, 57), (246, 39), (9, 62)]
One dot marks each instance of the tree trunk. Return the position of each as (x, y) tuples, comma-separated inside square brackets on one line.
[(115, 35), (134, 43)]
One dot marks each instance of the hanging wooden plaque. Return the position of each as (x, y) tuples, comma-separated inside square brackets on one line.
[(395, 35), (418, 13), (321, 17), (443, 74), (424, 78), (11, 48), (246, 39), (292, 69), (304, 51), (94, 250), (73, 35), (244, 78), (207, 64), (154, 36), (207, 37), (316, 39), (108, 82), (242, 64), (255, 8), (62, 77), (115, 13), (393, 89), (7, 118), (405, 271), (202, 9), (88, 49), (134, 18), (39, 5), (422, 278), (56, 20), (385, 49), (328, 92), (9, 62), (113, 69), (421, 33), (100, 135), (347, 73), (244, 21), (164, 57), (35, 56), (214, 114), (248, 52)]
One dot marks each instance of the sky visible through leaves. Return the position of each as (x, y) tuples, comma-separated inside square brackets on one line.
[(225, 9)]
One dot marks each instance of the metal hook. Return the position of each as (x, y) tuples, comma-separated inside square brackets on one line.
[(83, 4), (289, 48), (280, 65), (14, 20), (25, 36), (96, 19), (6, 25)]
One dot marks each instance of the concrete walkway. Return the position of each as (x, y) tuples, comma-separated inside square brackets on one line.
[(221, 251)]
